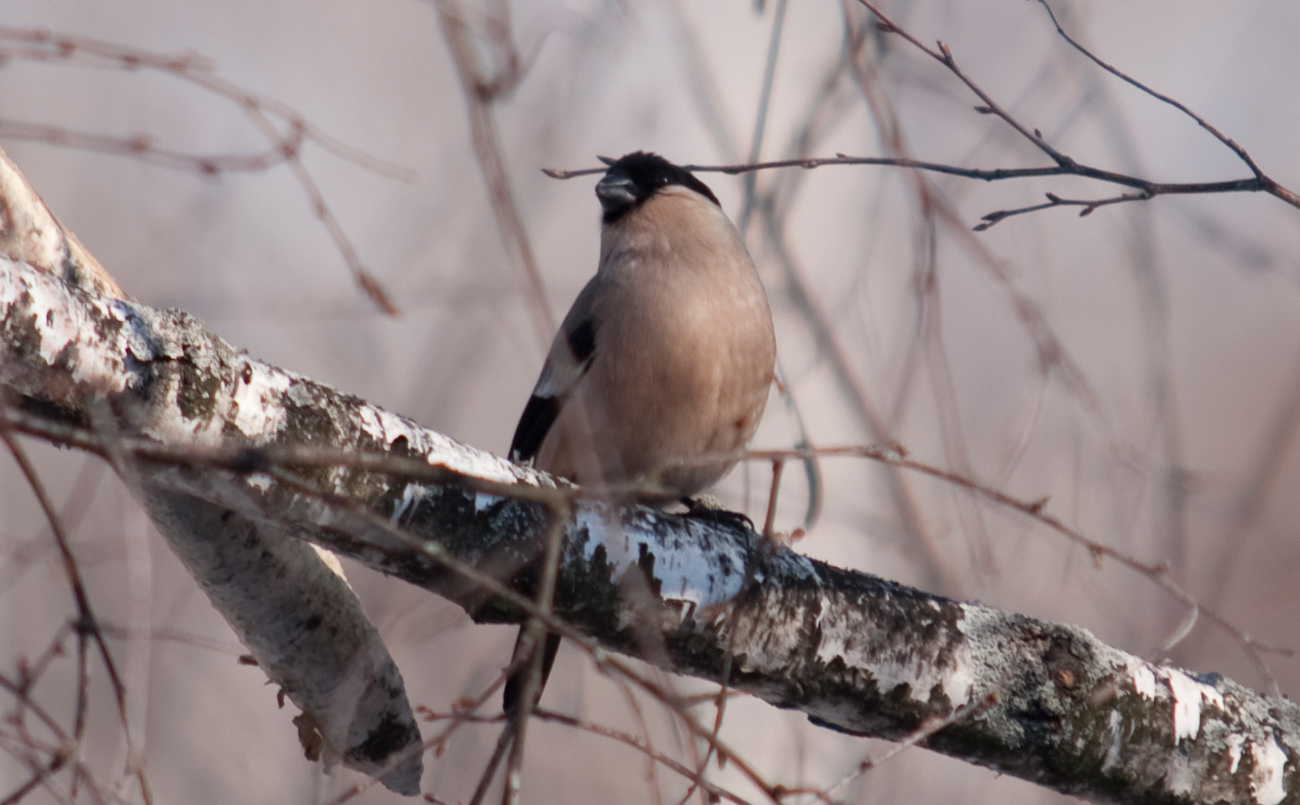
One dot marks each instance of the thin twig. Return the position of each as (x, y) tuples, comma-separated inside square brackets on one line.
[(941, 53), (1200, 121), (266, 114), (918, 736), (480, 91), (1064, 165), (777, 466), (143, 148), (531, 690), (21, 690), (764, 103), (632, 741), (87, 623), (39, 776)]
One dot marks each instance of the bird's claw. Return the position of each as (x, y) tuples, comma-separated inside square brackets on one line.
[(709, 509)]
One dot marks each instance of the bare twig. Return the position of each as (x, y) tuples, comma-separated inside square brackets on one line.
[(21, 690), (624, 738), (266, 114), (1200, 121), (941, 53), (532, 685), (87, 622), (986, 174), (87, 625), (764, 103), (924, 733), (1064, 165), (143, 147), (55, 763), (769, 520), (480, 91)]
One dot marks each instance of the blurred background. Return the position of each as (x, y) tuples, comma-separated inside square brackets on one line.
[(1137, 367)]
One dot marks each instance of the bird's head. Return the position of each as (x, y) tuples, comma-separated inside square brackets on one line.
[(635, 178)]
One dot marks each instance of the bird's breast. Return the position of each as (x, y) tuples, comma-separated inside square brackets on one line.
[(688, 373)]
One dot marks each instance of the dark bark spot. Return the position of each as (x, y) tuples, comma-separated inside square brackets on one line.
[(389, 736), (646, 562), (199, 387), (1064, 667)]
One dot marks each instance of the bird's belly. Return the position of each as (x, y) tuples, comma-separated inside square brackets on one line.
[(693, 409)]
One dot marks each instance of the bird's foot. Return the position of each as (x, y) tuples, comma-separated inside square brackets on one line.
[(709, 509)]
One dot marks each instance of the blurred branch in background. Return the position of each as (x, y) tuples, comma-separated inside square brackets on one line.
[(267, 115), (482, 85)]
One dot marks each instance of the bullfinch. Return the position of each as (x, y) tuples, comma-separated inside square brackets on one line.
[(660, 372)]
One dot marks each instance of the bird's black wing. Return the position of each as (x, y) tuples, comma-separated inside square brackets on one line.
[(535, 422), (570, 356), (515, 683)]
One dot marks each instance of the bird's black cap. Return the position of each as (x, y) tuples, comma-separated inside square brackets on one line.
[(634, 178)]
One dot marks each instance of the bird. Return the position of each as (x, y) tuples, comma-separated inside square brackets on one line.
[(660, 371)]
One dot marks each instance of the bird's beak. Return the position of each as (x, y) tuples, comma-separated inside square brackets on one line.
[(615, 191)]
